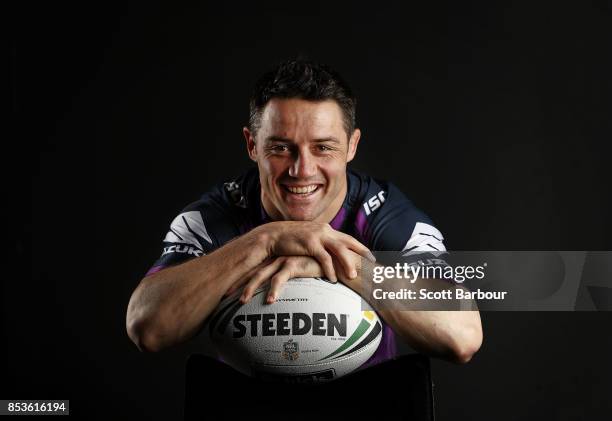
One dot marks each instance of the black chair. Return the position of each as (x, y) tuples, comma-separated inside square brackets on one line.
[(399, 389)]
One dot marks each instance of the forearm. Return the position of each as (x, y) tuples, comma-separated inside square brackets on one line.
[(451, 335), (447, 334), (170, 306)]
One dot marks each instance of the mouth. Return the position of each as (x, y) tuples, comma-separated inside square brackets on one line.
[(302, 191)]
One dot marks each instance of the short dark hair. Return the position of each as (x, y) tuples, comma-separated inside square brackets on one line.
[(304, 79)]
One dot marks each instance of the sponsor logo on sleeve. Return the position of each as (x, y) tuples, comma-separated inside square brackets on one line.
[(182, 248), (374, 202), (189, 234)]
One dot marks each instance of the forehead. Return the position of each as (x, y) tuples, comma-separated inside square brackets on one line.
[(294, 117)]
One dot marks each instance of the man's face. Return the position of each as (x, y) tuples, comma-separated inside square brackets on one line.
[(302, 150)]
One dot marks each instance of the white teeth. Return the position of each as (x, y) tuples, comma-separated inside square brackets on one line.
[(302, 190)]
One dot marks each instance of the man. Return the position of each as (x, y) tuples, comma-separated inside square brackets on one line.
[(301, 213)]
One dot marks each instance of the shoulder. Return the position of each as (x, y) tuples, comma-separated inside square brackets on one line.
[(386, 219), (229, 204), (231, 195), (219, 215)]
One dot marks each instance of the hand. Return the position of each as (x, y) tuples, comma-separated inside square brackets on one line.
[(318, 240), (279, 270)]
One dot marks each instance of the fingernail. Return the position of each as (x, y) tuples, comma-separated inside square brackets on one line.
[(271, 298), (353, 274), (372, 258)]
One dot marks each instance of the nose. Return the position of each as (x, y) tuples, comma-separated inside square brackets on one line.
[(303, 165)]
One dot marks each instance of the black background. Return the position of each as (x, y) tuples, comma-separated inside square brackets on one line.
[(493, 118)]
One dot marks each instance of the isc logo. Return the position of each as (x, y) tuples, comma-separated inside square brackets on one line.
[(374, 202)]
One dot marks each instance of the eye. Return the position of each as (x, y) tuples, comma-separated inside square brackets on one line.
[(324, 148), (279, 148)]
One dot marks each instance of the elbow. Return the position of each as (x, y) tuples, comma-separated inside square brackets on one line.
[(142, 337), (467, 344), (464, 354), (141, 332)]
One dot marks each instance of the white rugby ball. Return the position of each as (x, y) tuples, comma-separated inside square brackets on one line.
[(315, 331)]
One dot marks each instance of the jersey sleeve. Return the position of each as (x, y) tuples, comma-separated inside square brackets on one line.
[(199, 229), (394, 223), (399, 226)]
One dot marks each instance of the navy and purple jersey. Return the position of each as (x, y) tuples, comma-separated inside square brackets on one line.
[(375, 212)]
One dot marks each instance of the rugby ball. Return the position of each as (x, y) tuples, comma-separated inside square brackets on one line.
[(315, 331)]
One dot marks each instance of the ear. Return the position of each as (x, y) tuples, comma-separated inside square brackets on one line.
[(250, 142), (352, 146)]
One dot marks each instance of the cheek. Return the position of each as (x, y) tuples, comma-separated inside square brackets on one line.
[(272, 168), (334, 171)]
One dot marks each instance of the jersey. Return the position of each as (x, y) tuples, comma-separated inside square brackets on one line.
[(375, 212)]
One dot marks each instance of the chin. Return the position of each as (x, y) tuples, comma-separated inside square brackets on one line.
[(300, 216)]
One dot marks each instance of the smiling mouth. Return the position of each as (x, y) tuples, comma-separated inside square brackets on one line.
[(302, 190)]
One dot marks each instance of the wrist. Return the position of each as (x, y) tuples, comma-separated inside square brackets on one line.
[(364, 270), (261, 241)]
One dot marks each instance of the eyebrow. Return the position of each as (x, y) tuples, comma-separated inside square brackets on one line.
[(270, 139)]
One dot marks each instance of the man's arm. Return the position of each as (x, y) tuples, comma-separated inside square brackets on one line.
[(171, 305), (452, 335)]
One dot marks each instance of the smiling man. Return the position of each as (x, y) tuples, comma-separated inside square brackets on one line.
[(302, 158), (300, 213)]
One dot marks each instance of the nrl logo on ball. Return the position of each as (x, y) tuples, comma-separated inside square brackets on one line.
[(291, 350)]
